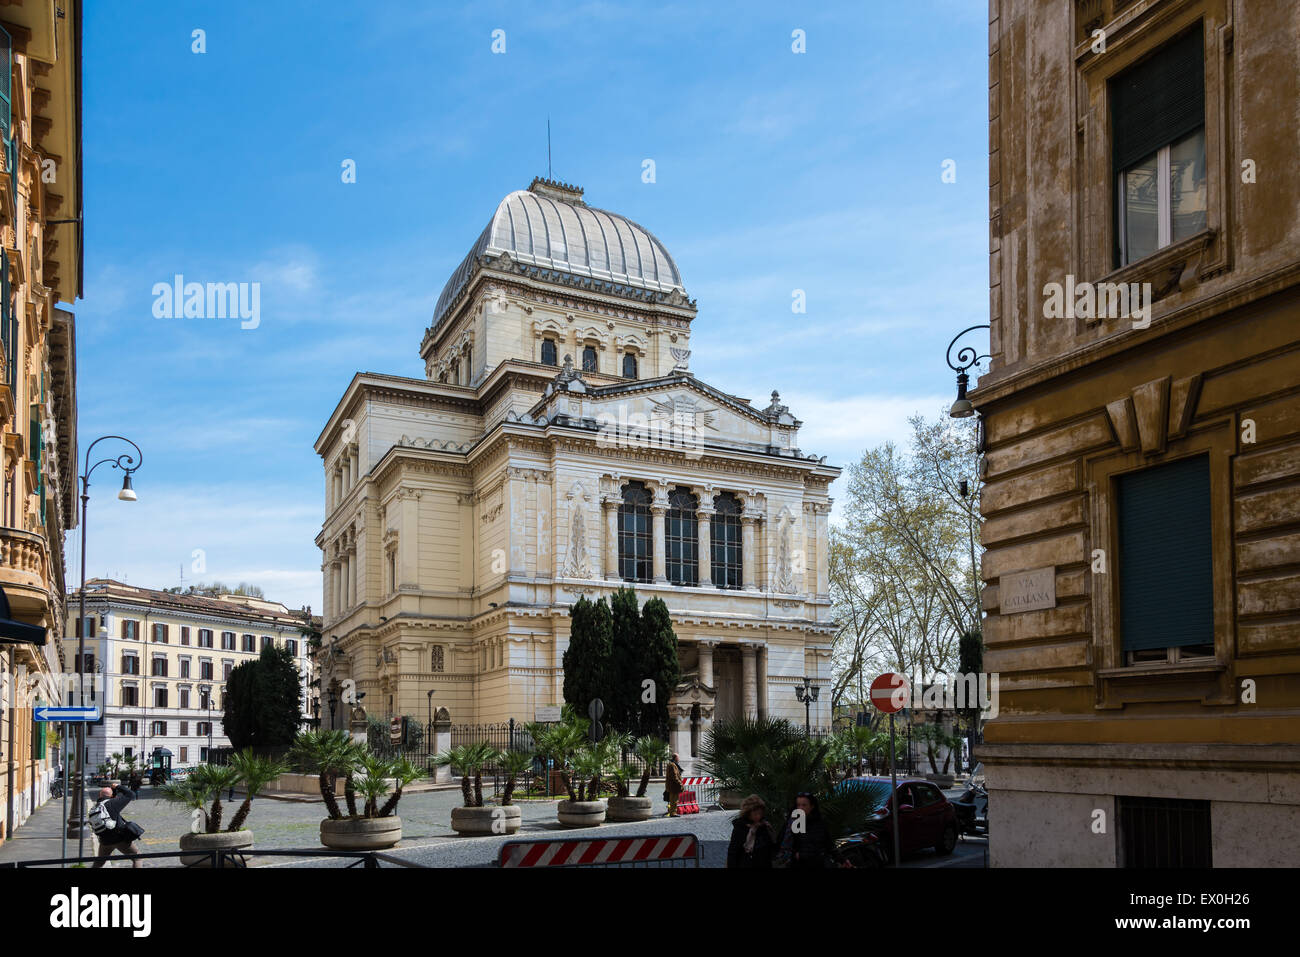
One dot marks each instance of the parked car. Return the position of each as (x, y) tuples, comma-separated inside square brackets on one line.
[(926, 818)]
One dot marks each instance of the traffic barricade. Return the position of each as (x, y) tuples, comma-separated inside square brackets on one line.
[(652, 850)]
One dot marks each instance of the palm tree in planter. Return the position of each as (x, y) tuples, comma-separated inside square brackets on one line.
[(514, 764), (331, 755), (627, 807), (473, 818), (203, 785), (653, 752), (585, 808), (379, 776)]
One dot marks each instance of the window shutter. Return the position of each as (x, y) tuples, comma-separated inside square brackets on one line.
[(1158, 101), (1165, 572)]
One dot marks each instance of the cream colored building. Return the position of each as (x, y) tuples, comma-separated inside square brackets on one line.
[(560, 446), (41, 267), (161, 660)]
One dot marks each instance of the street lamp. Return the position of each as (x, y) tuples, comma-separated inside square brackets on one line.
[(128, 464), (807, 693), (967, 356), (334, 700), (430, 695)]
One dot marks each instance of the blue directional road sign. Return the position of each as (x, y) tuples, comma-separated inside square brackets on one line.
[(67, 713)]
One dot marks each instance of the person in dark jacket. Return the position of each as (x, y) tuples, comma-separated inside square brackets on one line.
[(806, 838), (116, 838), (753, 839)]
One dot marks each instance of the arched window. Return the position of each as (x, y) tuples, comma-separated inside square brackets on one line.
[(682, 539), (629, 366), (548, 352), (634, 542), (588, 358), (725, 541)]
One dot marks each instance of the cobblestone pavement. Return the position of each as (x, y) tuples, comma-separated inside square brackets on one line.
[(427, 837)]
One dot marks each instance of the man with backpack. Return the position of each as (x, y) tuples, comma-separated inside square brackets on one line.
[(114, 832)]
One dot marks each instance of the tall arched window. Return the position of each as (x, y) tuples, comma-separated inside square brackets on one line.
[(634, 542), (629, 366), (588, 358), (682, 539), (725, 541), (548, 352)]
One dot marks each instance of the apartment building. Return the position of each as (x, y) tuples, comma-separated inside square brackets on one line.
[(40, 269), (1141, 422), (162, 660)]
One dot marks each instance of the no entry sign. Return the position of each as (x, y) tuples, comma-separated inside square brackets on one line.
[(890, 692)]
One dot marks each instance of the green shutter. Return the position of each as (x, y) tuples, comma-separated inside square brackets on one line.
[(8, 326), (1165, 571), (1159, 101), (7, 111)]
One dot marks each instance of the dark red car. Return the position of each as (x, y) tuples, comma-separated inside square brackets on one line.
[(926, 818)]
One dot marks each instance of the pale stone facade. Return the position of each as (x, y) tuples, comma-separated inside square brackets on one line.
[(161, 660), (466, 512), (1111, 728)]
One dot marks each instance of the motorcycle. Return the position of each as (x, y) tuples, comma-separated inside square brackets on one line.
[(863, 850), (972, 810)]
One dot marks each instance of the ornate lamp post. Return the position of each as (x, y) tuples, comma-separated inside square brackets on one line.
[(128, 464), (807, 693), (333, 700), (967, 356)]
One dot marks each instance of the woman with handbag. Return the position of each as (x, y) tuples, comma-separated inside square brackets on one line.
[(115, 833)]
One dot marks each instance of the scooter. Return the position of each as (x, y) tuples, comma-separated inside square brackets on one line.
[(863, 850), (972, 811)]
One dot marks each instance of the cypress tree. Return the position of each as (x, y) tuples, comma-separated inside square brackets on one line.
[(657, 654), (628, 673), (587, 660)]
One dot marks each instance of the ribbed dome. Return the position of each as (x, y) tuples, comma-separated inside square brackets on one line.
[(549, 225)]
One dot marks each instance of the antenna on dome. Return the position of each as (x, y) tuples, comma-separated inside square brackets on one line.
[(548, 146)]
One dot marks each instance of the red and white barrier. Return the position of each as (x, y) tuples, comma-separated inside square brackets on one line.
[(688, 801), (578, 852)]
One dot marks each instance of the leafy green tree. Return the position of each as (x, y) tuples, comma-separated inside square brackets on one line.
[(623, 706), (588, 670), (657, 661), (263, 702)]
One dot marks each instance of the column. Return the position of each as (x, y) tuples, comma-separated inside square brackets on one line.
[(761, 679), (747, 551), (706, 662), (610, 504), (705, 517), (681, 733), (408, 537), (748, 681), (658, 540)]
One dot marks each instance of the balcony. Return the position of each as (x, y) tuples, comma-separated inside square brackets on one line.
[(24, 572)]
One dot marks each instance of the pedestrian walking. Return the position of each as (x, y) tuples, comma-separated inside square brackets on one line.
[(672, 785), (805, 841), (753, 839), (114, 832)]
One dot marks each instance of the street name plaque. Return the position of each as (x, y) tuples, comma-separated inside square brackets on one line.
[(1028, 590)]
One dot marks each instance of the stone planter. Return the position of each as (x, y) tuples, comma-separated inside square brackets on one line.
[(361, 833), (484, 820), (629, 809), (730, 800), (581, 813), (940, 780), (222, 841)]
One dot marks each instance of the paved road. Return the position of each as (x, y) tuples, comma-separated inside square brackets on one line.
[(427, 837)]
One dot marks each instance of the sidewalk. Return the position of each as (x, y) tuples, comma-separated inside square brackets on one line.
[(42, 836)]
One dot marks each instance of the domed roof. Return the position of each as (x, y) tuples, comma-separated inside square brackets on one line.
[(549, 225)]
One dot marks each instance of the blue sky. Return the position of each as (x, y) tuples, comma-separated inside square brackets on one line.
[(775, 171)]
